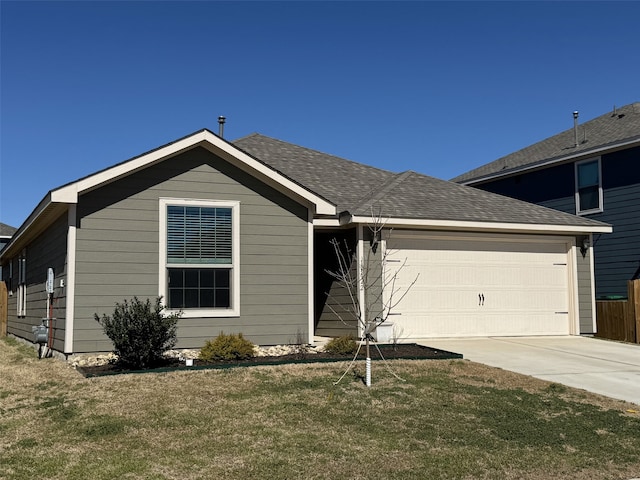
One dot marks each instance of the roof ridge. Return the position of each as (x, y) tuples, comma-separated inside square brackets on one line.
[(257, 134), (531, 150), (376, 192), (249, 135)]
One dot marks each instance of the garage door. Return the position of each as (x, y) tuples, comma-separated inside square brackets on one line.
[(478, 286)]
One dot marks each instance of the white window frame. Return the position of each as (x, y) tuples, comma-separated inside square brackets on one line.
[(21, 291), (600, 207), (234, 309)]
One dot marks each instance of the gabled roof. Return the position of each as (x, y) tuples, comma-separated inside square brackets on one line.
[(57, 200), (617, 129), (337, 188), (206, 139), (409, 197)]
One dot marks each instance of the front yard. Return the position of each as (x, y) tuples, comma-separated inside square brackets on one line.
[(449, 419)]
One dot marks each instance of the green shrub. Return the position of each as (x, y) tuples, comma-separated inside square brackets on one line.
[(140, 332), (345, 345), (227, 347)]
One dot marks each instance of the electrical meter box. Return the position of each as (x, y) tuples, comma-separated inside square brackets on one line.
[(384, 332), (40, 333)]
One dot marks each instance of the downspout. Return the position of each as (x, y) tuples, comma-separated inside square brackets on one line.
[(592, 269), (50, 323)]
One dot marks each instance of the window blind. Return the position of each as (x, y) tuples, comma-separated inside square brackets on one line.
[(199, 235)]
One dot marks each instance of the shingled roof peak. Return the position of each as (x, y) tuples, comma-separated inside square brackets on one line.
[(6, 230)]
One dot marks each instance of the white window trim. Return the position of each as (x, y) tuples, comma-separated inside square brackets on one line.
[(234, 311), (600, 208)]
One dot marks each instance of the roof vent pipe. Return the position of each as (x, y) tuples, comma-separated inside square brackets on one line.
[(575, 128), (221, 121)]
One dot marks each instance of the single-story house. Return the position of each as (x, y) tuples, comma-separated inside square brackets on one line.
[(592, 170), (237, 236)]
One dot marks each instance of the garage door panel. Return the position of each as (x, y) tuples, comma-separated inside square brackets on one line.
[(493, 301), (469, 325), (479, 287)]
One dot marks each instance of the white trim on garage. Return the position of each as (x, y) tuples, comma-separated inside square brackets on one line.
[(482, 226), (545, 247)]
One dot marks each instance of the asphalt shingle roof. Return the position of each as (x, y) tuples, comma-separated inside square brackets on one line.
[(340, 181), (6, 230), (612, 128), (359, 188), (420, 196)]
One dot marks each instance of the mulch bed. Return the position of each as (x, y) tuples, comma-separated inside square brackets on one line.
[(405, 351)]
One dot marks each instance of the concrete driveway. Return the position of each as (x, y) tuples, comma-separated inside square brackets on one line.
[(599, 366)]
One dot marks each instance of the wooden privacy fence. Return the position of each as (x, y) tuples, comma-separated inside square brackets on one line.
[(4, 312), (620, 319)]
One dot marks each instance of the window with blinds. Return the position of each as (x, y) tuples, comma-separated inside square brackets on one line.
[(199, 256), (199, 235)]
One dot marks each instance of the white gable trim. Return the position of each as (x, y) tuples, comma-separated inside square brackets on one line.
[(69, 193)]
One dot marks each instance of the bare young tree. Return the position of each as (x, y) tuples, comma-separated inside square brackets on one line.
[(372, 291)]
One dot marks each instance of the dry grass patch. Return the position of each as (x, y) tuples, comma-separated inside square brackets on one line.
[(448, 419)]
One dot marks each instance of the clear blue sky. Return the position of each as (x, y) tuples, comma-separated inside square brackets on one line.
[(438, 88)]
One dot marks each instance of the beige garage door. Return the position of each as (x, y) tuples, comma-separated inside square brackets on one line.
[(479, 286)]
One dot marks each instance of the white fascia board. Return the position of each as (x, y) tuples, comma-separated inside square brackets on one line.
[(535, 166), (267, 174), (31, 219), (326, 222), (69, 193), (487, 226), (213, 143)]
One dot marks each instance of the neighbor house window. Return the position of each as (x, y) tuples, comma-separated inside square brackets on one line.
[(588, 186), (22, 285), (200, 271)]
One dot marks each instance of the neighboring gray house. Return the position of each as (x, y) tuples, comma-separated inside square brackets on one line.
[(592, 170), (6, 232), (236, 235)]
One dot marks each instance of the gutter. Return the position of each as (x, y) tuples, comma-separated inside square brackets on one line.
[(546, 163), (482, 226), (26, 226)]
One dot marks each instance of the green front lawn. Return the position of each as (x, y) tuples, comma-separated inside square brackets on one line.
[(448, 419)]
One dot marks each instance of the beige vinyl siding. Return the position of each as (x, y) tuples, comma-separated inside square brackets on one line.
[(48, 250), (585, 293), (118, 251)]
